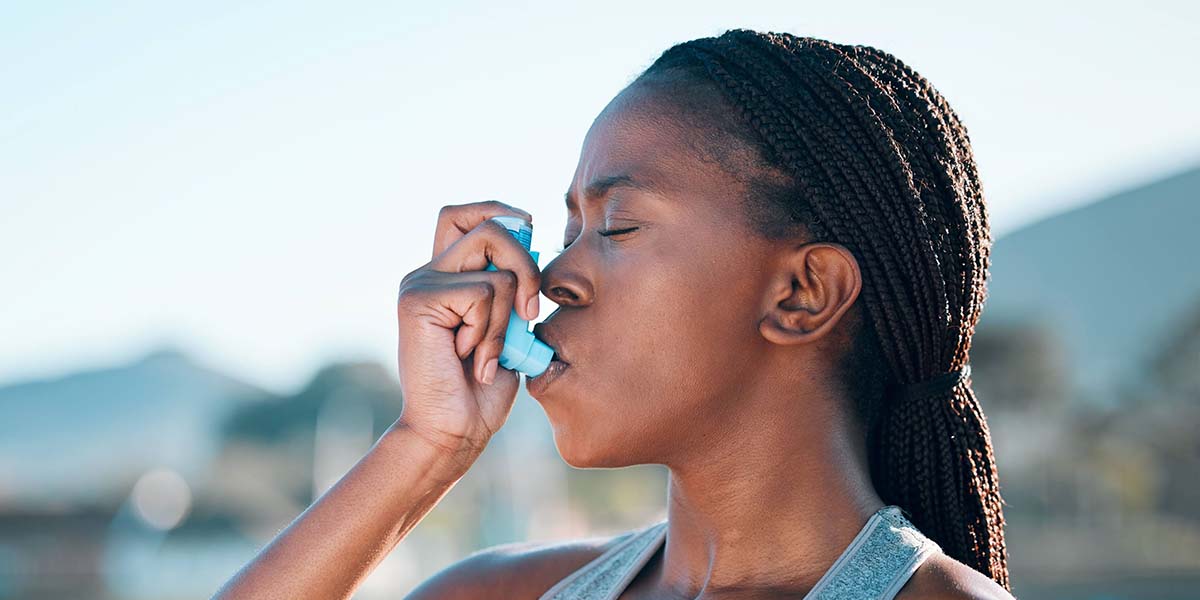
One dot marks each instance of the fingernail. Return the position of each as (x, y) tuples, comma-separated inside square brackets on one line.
[(489, 371), (532, 309)]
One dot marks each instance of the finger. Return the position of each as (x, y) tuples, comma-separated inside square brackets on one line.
[(479, 297), (491, 242), (438, 301), (504, 284), (455, 221), (460, 303), (476, 327)]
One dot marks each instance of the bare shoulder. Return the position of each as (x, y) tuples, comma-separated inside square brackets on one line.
[(516, 570), (941, 577)]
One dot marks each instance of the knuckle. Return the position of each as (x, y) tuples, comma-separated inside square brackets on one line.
[(495, 226), (405, 299), (414, 279), (485, 289), (409, 278), (507, 279), (404, 289)]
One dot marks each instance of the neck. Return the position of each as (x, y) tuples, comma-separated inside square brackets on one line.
[(769, 507)]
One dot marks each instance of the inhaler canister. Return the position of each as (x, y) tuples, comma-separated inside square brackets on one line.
[(522, 352)]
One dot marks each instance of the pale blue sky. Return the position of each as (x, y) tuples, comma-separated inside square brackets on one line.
[(251, 180)]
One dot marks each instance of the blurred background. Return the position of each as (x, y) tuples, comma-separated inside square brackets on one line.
[(206, 210)]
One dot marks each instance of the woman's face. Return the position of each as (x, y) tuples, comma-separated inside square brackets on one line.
[(659, 323)]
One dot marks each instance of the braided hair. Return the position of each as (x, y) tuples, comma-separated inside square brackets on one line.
[(857, 148)]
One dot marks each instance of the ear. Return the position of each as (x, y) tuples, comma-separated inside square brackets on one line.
[(813, 286)]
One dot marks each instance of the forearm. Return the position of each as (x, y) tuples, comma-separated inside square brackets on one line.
[(334, 544)]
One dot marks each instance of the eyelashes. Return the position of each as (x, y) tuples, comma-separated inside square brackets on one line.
[(612, 232), (604, 233)]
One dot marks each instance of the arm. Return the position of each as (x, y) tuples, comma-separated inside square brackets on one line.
[(353, 526), (452, 317)]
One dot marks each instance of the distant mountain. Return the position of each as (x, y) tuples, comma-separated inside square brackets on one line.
[(1111, 279), (88, 435), (367, 384)]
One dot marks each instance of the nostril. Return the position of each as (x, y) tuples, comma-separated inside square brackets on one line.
[(562, 292)]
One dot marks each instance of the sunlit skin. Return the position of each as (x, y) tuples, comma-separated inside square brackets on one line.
[(693, 343), (698, 344)]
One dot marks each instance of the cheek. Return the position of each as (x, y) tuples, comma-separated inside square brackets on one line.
[(681, 321), (669, 336)]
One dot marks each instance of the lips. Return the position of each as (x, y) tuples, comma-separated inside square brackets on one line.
[(543, 332), (558, 364), (537, 385)]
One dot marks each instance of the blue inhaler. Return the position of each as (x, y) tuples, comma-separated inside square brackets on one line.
[(522, 352)]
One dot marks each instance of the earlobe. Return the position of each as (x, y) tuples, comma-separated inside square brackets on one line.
[(815, 284)]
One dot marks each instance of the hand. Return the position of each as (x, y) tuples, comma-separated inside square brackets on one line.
[(452, 319)]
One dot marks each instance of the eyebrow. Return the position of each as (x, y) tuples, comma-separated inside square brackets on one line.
[(603, 185)]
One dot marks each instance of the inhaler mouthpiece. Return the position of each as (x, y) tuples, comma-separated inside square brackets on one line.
[(522, 352)]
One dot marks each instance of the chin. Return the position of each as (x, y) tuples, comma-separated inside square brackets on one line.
[(589, 451)]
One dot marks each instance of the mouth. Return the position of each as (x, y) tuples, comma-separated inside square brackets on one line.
[(541, 332), (537, 385), (558, 364)]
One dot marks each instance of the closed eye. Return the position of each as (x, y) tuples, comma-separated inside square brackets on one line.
[(612, 232), (604, 233)]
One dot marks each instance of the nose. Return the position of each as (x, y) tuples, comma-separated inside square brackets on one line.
[(564, 283)]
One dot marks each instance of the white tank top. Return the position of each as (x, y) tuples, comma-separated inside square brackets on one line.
[(876, 564)]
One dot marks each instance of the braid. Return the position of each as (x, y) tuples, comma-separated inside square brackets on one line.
[(874, 158)]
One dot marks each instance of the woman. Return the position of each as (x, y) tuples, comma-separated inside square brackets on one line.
[(775, 257)]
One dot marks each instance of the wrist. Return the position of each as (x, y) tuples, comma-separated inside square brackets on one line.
[(443, 459)]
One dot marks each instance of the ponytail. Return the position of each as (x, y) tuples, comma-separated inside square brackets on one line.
[(932, 455), (872, 157)]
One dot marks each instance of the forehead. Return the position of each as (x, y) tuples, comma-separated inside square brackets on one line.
[(647, 135)]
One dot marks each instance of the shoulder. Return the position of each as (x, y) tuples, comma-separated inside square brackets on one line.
[(943, 578), (516, 570)]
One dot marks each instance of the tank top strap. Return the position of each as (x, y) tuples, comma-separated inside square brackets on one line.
[(606, 576), (878, 562)]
